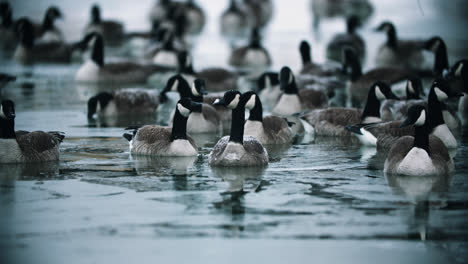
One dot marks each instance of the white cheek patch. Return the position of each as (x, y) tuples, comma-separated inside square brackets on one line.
[(378, 93), (291, 78), (459, 70), (194, 90), (183, 111), (175, 85), (421, 119), (2, 115), (410, 87), (267, 82), (233, 104), (441, 96), (251, 103)]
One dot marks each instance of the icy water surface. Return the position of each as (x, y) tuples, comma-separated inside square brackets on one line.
[(323, 200)]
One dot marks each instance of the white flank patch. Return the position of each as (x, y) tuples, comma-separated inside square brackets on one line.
[(182, 110), (378, 93), (367, 138), (89, 71), (444, 133), (250, 103), (416, 163), (288, 104), (441, 95), (254, 129), (233, 104), (10, 151), (181, 147), (421, 119), (166, 58), (194, 90)]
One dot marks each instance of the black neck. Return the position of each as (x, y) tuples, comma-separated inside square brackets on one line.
[(7, 128), (421, 137), (411, 95), (48, 22), (97, 54), (441, 59), (7, 20), (435, 108), (290, 88), (392, 38), (256, 113), (237, 124), (372, 107), (305, 53), (179, 126), (197, 99), (96, 17), (356, 70)]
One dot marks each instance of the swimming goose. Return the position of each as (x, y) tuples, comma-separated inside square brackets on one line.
[(332, 121), (420, 155), (234, 21), (294, 100), (154, 140), (269, 90), (309, 67), (112, 31), (8, 38), (96, 71), (349, 39), (260, 12), (438, 47), (269, 129), (458, 77), (254, 55), (397, 109), (29, 51), (47, 32), (359, 83), (396, 52), (124, 101), (204, 119), (235, 149), (23, 146)]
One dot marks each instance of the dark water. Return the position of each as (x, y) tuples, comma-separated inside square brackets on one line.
[(323, 200)]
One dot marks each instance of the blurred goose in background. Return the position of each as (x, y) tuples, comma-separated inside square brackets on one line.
[(154, 140), (112, 31), (268, 87), (123, 102), (293, 100), (5, 79), (311, 68), (458, 78), (166, 54), (358, 86), (159, 11), (362, 9), (47, 31), (28, 51), (349, 39), (269, 129), (95, 70), (195, 17), (260, 12), (22, 146), (237, 150), (332, 121), (205, 119), (437, 46), (420, 155), (234, 21), (8, 37), (254, 55), (395, 52)]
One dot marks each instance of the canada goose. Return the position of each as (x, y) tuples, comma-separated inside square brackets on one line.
[(160, 9), (23, 146), (458, 77), (125, 101), (359, 83), (154, 140), (28, 51), (235, 149), (111, 31), (332, 121), (269, 129), (397, 109), (217, 79), (166, 54), (294, 100), (269, 89), (308, 67), (195, 17), (419, 155), (348, 39), (234, 21), (8, 38), (96, 71), (204, 119), (47, 31), (254, 55), (398, 53), (260, 12), (363, 9), (438, 47)]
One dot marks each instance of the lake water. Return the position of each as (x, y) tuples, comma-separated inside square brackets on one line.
[(322, 200)]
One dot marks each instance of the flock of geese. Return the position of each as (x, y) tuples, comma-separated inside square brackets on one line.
[(333, 99)]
